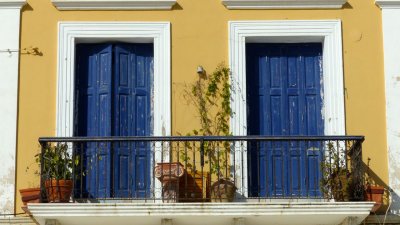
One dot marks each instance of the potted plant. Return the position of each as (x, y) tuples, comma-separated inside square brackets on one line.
[(56, 163), (169, 174), (29, 195), (336, 179), (32, 194), (210, 95), (372, 192)]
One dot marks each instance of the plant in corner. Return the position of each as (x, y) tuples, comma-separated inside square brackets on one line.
[(56, 163), (32, 194), (336, 181), (210, 95), (372, 192)]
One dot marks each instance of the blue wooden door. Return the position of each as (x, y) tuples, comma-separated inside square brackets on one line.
[(284, 99), (113, 91)]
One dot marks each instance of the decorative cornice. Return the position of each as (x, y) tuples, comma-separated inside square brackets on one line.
[(388, 4), (114, 4), (12, 4), (284, 4)]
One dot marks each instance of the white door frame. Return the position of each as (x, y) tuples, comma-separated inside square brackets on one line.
[(328, 32), (158, 33)]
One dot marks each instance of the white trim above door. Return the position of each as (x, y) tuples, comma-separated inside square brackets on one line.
[(114, 4), (286, 31), (284, 4)]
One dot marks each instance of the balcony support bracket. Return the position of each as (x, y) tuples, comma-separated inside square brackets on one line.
[(52, 222), (350, 220), (166, 222), (239, 221)]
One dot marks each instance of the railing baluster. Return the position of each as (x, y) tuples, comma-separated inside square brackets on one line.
[(299, 156), (186, 166), (266, 154), (42, 167), (307, 179), (258, 170), (315, 171), (210, 169), (96, 167), (162, 171), (290, 169), (179, 179), (112, 172), (284, 161), (153, 171), (274, 184), (73, 171), (171, 186), (82, 172), (234, 161), (321, 154), (202, 174), (242, 163)]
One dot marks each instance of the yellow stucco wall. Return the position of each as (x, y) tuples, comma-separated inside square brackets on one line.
[(199, 35)]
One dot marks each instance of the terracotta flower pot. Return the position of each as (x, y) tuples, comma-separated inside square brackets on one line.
[(169, 172), (58, 190), (374, 194), (30, 195), (223, 191)]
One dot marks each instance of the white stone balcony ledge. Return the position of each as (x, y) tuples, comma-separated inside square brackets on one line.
[(252, 213)]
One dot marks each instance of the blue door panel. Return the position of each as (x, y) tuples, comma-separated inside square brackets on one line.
[(143, 92), (122, 111), (284, 98), (132, 99), (113, 90), (94, 64)]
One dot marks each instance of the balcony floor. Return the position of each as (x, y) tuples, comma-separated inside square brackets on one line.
[(265, 213)]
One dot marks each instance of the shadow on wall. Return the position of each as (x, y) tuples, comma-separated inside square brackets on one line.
[(388, 194), (27, 7), (347, 6), (177, 7)]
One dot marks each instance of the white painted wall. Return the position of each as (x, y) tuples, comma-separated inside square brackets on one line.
[(391, 42), (9, 39)]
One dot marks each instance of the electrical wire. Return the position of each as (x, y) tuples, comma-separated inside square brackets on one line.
[(390, 203), (9, 50), (387, 210), (11, 214)]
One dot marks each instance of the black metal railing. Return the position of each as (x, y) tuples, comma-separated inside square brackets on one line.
[(201, 169)]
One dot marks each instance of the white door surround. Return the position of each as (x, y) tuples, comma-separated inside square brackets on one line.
[(286, 31), (156, 32)]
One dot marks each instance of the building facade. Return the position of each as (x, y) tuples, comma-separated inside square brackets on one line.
[(332, 64)]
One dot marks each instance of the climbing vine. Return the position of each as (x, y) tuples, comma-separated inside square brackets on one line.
[(210, 95)]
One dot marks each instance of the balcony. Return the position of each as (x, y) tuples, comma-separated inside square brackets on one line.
[(196, 180)]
